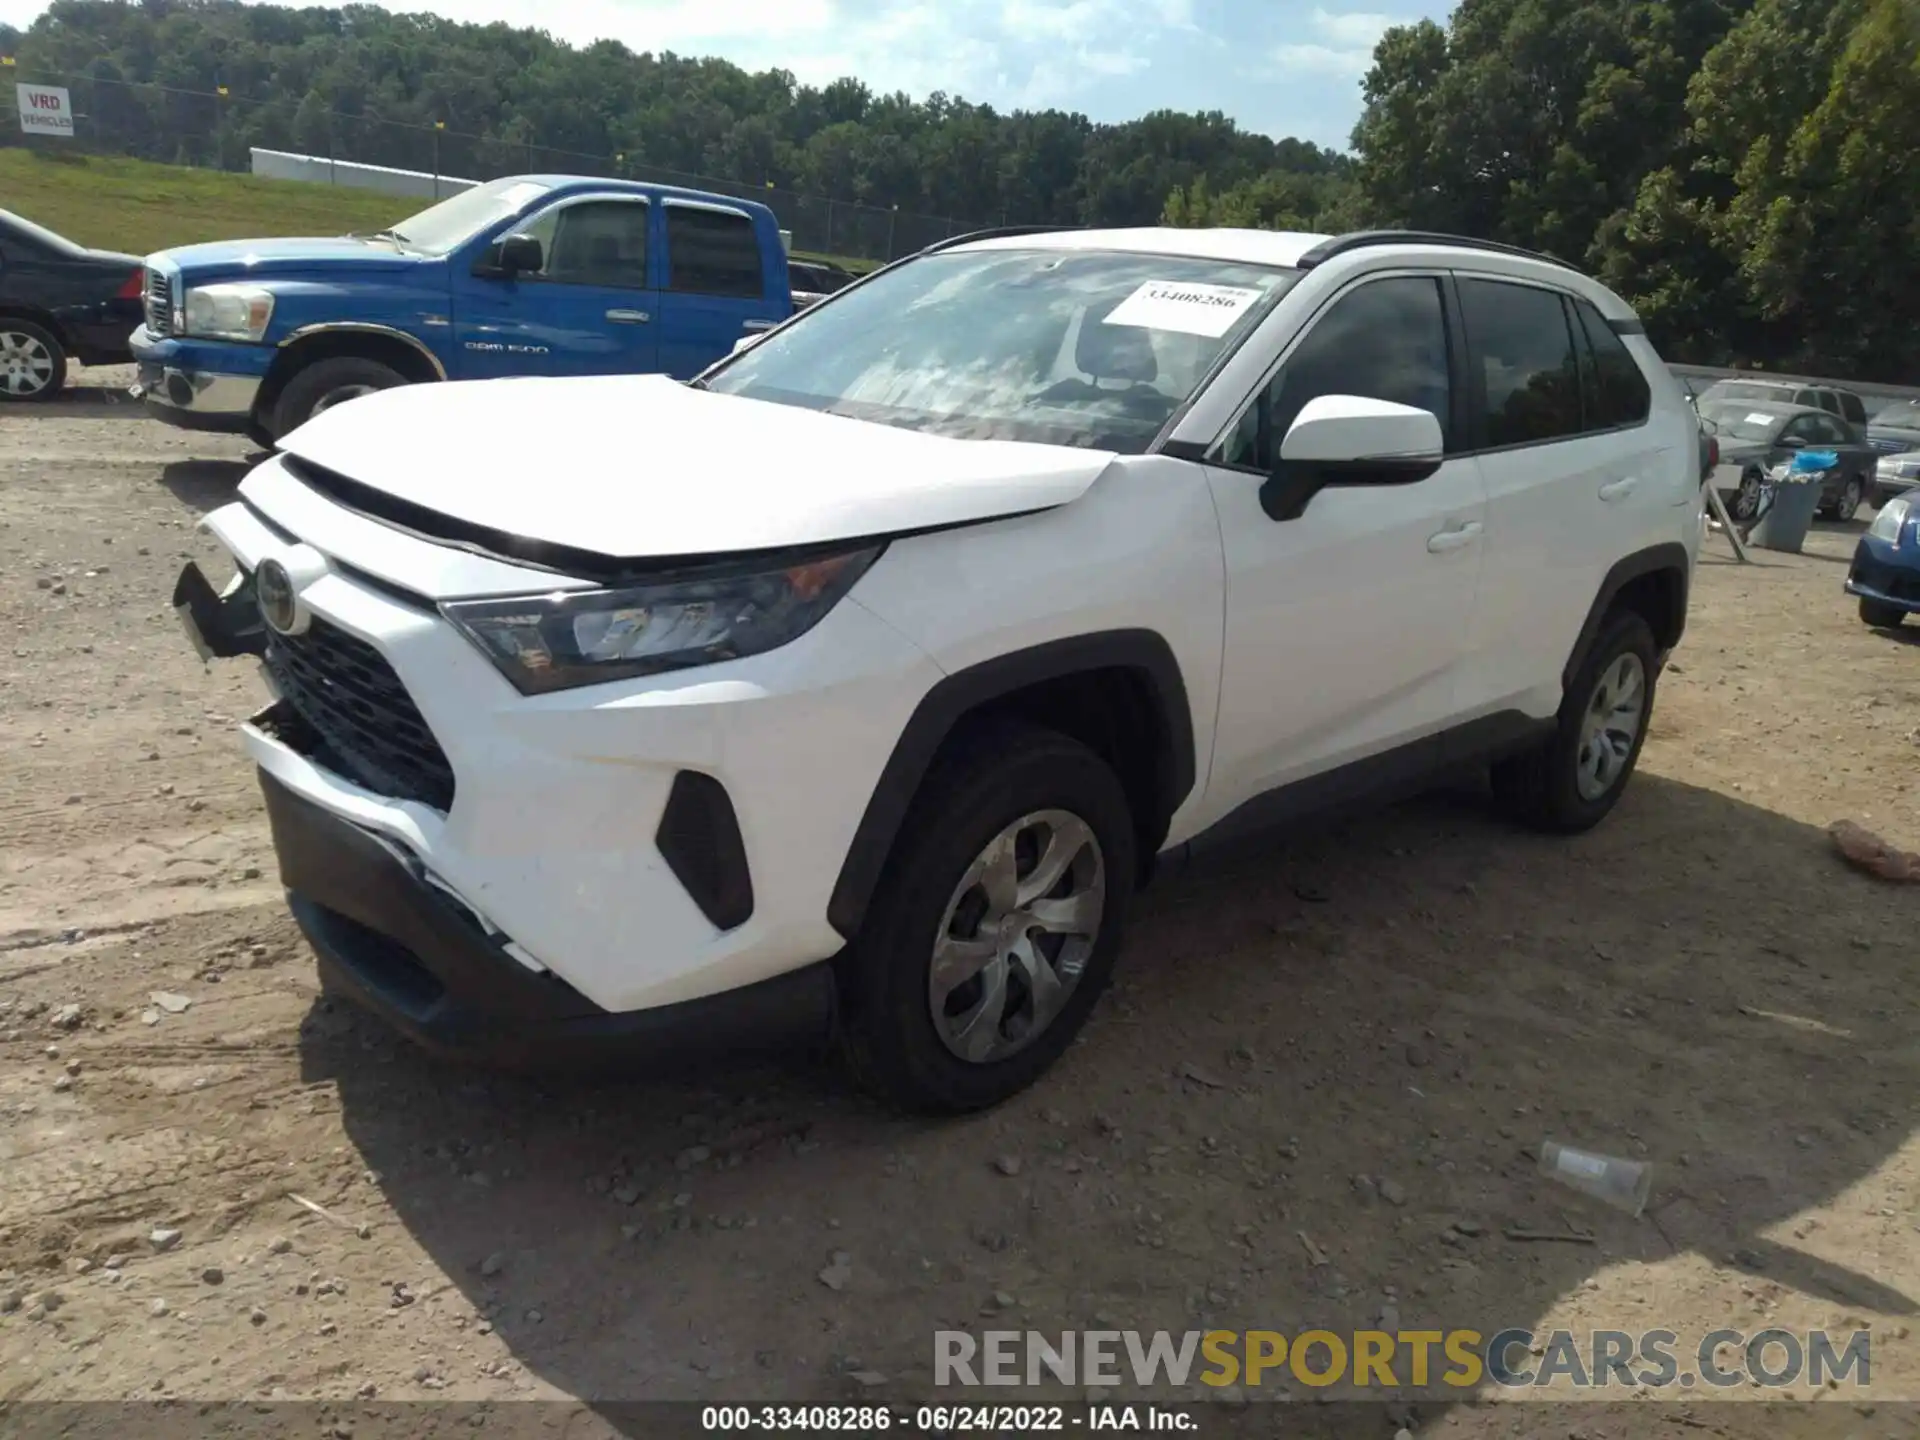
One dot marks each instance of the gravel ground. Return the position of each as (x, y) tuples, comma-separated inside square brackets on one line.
[(1311, 1100)]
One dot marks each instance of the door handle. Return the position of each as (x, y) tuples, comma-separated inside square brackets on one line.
[(758, 325), (628, 317), (1619, 489), (1456, 538)]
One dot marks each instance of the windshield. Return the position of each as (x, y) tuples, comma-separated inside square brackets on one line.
[(1740, 423), (442, 228), (1900, 412), (1082, 348)]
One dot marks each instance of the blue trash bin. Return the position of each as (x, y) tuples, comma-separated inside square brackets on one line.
[(1796, 488)]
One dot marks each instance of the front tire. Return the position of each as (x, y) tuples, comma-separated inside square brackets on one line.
[(1569, 782), (1746, 500), (326, 383), (1848, 504), (995, 924), (1881, 616), (33, 362)]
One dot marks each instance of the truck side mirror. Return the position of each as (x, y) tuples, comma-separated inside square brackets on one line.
[(513, 255)]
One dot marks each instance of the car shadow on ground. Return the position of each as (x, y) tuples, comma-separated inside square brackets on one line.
[(203, 485), (89, 402), (1313, 1099)]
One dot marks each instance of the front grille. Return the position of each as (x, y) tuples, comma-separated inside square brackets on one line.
[(371, 729), (159, 304)]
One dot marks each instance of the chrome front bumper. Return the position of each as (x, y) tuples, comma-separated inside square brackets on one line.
[(197, 392)]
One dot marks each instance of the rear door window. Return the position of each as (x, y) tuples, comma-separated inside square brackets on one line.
[(1523, 351), (712, 252)]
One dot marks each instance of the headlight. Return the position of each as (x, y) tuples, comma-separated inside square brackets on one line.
[(1886, 525), (228, 312), (553, 642)]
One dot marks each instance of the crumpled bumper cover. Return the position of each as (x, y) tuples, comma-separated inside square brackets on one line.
[(391, 941)]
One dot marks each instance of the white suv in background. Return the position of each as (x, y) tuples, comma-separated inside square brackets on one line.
[(855, 686)]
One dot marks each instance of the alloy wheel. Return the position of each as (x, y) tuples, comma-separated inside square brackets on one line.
[(26, 364), (1016, 936), (1746, 500), (1610, 726)]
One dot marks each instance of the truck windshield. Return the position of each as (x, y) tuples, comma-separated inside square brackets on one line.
[(442, 228), (1094, 349)]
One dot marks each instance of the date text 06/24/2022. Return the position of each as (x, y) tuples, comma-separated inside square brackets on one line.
[(944, 1419)]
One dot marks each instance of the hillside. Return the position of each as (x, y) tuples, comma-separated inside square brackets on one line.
[(140, 207)]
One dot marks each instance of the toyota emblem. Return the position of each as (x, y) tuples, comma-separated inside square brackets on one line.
[(279, 606)]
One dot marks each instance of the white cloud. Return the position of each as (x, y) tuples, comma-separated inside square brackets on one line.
[(1342, 47), (1007, 52)]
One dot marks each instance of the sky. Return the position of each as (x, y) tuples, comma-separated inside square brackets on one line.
[(1284, 67)]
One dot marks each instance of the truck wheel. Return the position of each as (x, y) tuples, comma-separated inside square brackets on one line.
[(33, 364), (1569, 783), (1879, 615), (327, 383), (995, 924)]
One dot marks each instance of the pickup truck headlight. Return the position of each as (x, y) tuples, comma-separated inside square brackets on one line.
[(228, 312), (544, 643)]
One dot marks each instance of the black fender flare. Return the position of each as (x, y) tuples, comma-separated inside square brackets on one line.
[(1670, 558), (956, 695)]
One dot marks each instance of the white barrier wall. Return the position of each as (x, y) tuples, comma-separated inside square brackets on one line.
[(319, 170)]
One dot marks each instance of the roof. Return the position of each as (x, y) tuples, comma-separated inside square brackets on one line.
[(1245, 247), (639, 187), (1781, 408), (1292, 249)]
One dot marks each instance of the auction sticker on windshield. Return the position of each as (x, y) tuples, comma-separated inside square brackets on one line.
[(1759, 419), (1188, 308)]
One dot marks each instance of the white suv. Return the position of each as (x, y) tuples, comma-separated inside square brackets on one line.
[(855, 686)]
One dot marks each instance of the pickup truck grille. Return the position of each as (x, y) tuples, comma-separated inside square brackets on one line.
[(159, 304), (372, 731)]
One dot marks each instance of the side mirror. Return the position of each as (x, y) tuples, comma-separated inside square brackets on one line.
[(513, 255), (1793, 442), (1351, 440)]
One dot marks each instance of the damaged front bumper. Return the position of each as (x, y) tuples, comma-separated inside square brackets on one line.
[(220, 624)]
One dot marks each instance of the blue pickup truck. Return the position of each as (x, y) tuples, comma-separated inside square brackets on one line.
[(529, 275)]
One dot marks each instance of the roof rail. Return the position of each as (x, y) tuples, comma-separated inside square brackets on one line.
[(994, 233), (1365, 239)]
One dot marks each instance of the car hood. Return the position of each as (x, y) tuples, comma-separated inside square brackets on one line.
[(283, 256), (1907, 436), (637, 467)]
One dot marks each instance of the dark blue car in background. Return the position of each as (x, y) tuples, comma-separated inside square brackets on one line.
[(1885, 574), (529, 275)]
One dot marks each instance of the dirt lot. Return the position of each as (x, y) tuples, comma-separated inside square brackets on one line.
[(1385, 1019)]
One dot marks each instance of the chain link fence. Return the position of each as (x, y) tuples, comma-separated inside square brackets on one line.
[(218, 131)]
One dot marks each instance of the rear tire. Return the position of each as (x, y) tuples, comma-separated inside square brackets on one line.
[(327, 383), (905, 1027), (1881, 616), (33, 363), (1544, 787)]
